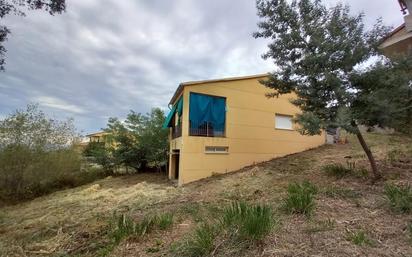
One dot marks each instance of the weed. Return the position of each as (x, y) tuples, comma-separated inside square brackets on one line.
[(164, 221), (201, 243), (338, 192), (399, 197), (251, 222), (300, 198), (322, 225), (336, 170), (359, 238), (121, 227), (409, 231), (394, 155)]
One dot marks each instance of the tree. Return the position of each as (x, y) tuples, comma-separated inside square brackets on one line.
[(140, 141), (317, 51), (16, 7), (35, 153)]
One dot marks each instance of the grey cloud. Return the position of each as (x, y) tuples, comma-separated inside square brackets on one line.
[(105, 57)]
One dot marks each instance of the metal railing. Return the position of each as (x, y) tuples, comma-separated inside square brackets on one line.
[(176, 131), (206, 129)]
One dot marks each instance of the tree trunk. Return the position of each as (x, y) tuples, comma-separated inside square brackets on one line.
[(377, 175)]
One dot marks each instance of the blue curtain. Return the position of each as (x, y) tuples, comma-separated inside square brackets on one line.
[(210, 109)]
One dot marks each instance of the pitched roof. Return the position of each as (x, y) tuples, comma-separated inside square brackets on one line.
[(198, 82)]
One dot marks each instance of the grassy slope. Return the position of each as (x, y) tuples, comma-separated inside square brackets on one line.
[(74, 222)]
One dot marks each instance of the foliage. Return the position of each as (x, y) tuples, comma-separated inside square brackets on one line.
[(359, 238), (140, 140), (36, 155), (101, 155), (319, 53), (399, 197), (300, 198), (14, 7), (251, 222)]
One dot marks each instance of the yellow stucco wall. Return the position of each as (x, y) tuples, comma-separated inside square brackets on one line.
[(250, 130)]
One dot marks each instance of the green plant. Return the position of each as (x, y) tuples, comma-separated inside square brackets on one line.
[(359, 238), (251, 222), (201, 243), (338, 192), (409, 231), (336, 170), (300, 198), (164, 221), (399, 197)]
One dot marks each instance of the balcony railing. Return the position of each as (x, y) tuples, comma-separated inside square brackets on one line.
[(206, 129), (176, 131)]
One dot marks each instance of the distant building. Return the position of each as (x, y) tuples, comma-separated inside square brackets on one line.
[(98, 137), (399, 41)]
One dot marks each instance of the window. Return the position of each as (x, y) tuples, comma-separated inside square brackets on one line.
[(283, 122), (216, 149), (207, 115)]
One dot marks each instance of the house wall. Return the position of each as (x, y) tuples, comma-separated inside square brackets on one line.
[(400, 43), (250, 131)]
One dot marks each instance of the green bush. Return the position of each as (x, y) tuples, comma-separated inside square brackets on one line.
[(36, 155), (359, 238), (251, 222), (399, 197), (300, 198)]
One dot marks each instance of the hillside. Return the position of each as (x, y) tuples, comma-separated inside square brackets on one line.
[(348, 210)]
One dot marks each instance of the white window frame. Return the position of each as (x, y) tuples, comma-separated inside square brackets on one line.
[(216, 149), (283, 125)]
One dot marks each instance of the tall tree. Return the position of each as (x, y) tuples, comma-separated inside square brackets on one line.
[(18, 7), (316, 51), (140, 141)]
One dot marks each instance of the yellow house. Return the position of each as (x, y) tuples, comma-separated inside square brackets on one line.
[(218, 126)]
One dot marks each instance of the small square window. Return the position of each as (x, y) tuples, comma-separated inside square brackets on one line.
[(283, 122)]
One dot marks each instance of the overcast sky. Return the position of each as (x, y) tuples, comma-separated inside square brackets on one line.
[(104, 57)]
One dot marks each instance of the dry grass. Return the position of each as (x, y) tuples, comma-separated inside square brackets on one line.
[(74, 221)]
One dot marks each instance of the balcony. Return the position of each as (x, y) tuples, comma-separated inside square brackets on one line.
[(206, 129), (176, 131)]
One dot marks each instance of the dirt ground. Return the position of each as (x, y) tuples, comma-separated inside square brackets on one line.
[(74, 222)]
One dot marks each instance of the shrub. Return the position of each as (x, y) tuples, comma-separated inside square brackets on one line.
[(36, 156), (359, 238), (251, 222), (300, 198), (399, 197)]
